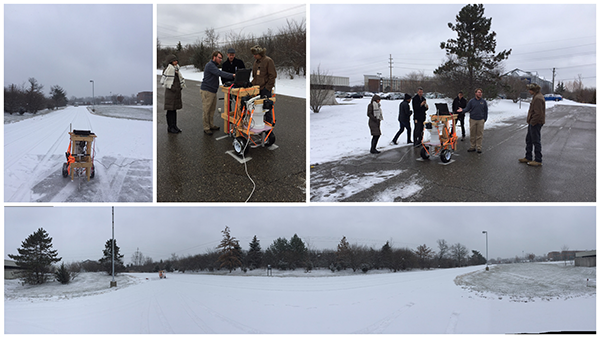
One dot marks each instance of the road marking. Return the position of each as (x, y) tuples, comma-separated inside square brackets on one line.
[(221, 137), (239, 159), (273, 147)]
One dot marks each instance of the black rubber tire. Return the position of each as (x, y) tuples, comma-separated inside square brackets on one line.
[(239, 146), (424, 153), (446, 155), (93, 173), (270, 140), (65, 169)]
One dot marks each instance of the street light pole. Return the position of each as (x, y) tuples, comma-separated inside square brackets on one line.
[(93, 99), (486, 250), (113, 283)]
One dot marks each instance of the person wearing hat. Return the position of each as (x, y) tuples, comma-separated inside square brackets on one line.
[(173, 83), (232, 64), (536, 117), (404, 119), (208, 90), (460, 102), (263, 71), (375, 117)]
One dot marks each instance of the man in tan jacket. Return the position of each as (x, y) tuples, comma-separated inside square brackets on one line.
[(263, 71), (536, 117)]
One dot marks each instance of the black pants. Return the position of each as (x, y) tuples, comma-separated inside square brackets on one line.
[(374, 142), (461, 118), (403, 124), (418, 136), (533, 142)]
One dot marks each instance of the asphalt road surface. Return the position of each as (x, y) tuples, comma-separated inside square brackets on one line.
[(194, 167), (568, 173)]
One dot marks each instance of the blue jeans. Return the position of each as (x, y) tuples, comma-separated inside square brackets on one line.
[(533, 142)]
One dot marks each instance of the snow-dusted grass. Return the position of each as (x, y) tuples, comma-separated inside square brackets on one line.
[(298, 302), (284, 85), (126, 112), (532, 281)]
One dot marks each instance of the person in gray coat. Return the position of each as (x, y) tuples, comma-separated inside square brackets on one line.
[(173, 82), (375, 116)]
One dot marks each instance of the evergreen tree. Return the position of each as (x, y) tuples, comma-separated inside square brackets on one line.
[(34, 97), (343, 253), (36, 257), (106, 260), (254, 254), (424, 255), (280, 252), (386, 256), (59, 96), (298, 252), (560, 88), (472, 59), (477, 258), (229, 251), (63, 275)]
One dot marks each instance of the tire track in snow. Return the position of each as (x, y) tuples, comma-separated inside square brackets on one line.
[(451, 328), (201, 324), (380, 326)]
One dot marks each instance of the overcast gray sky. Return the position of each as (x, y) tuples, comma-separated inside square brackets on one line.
[(80, 233), (356, 40), (187, 23), (69, 45)]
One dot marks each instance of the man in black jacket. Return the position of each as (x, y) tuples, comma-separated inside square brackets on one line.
[(419, 107), (404, 118), (460, 102), (232, 64)]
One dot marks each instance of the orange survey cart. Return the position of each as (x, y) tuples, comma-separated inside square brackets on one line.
[(248, 118), (80, 155), (443, 135)]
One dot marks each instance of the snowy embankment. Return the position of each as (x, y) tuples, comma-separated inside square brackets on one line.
[(317, 302), (284, 85), (341, 130), (34, 152)]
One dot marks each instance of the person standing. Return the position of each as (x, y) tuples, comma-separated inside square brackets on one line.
[(375, 117), (232, 64), (536, 117), (420, 108), (173, 82), (404, 119), (460, 102), (208, 90), (478, 112), (263, 71)]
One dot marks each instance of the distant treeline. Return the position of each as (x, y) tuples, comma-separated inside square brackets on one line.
[(287, 48)]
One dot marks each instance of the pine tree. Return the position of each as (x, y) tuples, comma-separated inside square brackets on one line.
[(230, 251), (298, 252), (386, 256), (106, 260), (58, 95), (280, 253), (343, 253), (36, 257), (424, 255), (560, 88), (254, 254), (472, 59), (63, 275)]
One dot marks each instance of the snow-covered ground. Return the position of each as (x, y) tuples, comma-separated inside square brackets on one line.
[(349, 120), (34, 152), (284, 85), (529, 297)]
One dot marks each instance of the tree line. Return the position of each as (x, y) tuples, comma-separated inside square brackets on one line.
[(287, 48), (30, 98)]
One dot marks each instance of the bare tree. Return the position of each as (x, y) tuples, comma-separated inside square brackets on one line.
[(424, 255), (321, 90), (459, 253)]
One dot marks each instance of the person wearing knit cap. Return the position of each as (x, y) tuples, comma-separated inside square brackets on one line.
[(536, 117), (263, 71), (460, 102), (173, 82), (232, 64), (404, 119)]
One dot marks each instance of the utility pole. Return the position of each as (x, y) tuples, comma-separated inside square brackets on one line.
[(113, 283), (391, 81), (553, 74)]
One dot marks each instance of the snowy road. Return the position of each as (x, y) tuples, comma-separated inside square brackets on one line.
[(34, 151), (408, 302)]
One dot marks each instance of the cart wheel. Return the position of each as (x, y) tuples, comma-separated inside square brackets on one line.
[(270, 140), (65, 169), (424, 153), (93, 173), (239, 146), (446, 155)]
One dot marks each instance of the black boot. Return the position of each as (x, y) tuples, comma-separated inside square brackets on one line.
[(175, 122), (374, 145), (170, 123)]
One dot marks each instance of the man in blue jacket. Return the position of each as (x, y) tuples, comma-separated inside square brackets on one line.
[(208, 90), (478, 110)]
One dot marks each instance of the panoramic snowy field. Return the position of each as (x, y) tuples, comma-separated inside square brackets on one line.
[(351, 116), (35, 146), (284, 85), (531, 297)]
